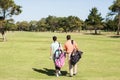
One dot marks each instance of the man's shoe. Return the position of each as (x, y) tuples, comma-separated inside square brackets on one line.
[(71, 76)]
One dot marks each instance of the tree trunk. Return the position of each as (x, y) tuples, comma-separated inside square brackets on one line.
[(3, 34), (118, 30), (4, 38), (95, 27), (95, 31)]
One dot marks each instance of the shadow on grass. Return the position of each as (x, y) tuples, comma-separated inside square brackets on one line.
[(93, 34), (49, 72), (115, 36)]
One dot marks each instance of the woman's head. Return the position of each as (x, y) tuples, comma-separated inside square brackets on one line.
[(54, 38)]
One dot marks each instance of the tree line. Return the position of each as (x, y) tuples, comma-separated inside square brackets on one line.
[(66, 24), (50, 23)]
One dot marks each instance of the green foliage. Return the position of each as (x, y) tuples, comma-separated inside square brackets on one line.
[(63, 22), (94, 20), (116, 9), (116, 6), (110, 25), (54, 24), (33, 25), (74, 23), (9, 8), (24, 25)]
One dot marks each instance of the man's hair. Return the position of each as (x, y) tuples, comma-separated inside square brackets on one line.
[(54, 38), (68, 37)]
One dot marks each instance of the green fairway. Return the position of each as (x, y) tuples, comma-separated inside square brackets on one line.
[(25, 56)]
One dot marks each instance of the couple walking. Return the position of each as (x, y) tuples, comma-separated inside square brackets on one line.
[(69, 46)]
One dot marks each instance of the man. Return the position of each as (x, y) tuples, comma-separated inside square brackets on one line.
[(54, 46), (69, 47)]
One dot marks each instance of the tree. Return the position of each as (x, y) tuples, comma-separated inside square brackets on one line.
[(52, 22), (74, 23), (33, 25), (7, 9), (94, 20), (110, 23), (115, 8), (23, 26), (10, 25), (64, 24), (41, 25)]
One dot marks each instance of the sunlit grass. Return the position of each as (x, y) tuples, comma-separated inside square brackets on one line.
[(25, 56)]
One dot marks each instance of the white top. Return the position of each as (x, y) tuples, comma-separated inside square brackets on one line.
[(54, 46)]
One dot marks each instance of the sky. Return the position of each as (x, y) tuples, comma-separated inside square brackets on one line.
[(37, 9)]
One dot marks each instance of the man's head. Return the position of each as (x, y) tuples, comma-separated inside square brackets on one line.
[(68, 37), (54, 38)]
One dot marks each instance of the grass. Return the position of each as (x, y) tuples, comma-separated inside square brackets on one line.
[(25, 56)]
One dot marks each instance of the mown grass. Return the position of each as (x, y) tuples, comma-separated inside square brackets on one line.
[(25, 56)]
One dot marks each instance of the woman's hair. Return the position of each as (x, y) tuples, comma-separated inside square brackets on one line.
[(54, 38), (68, 37)]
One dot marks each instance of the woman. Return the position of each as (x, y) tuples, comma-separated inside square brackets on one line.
[(54, 46)]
